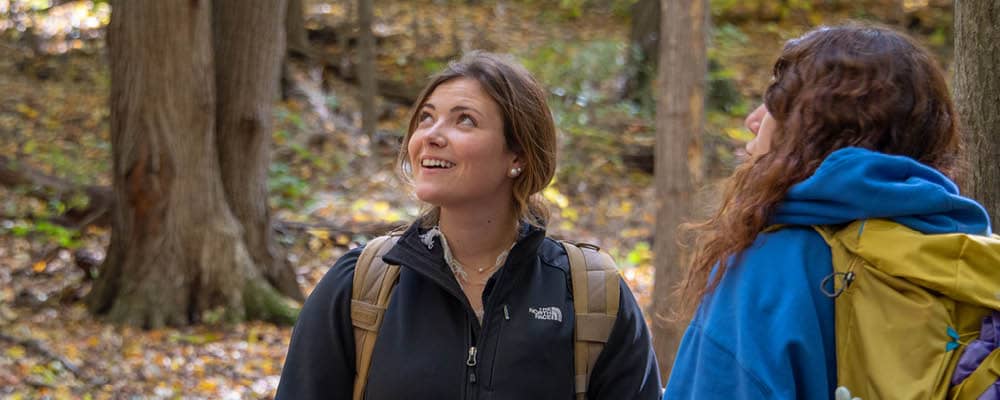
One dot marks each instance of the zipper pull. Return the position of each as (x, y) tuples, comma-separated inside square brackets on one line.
[(506, 314), (472, 357)]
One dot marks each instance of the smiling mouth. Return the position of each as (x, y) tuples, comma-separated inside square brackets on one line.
[(435, 163)]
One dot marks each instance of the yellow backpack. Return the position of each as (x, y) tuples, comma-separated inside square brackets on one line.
[(906, 305), (595, 303)]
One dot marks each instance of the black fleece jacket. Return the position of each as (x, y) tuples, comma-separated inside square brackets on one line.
[(523, 350)]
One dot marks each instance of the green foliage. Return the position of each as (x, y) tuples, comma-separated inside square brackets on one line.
[(287, 189), (723, 95), (640, 254), (46, 231), (573, 9), (579, 72)]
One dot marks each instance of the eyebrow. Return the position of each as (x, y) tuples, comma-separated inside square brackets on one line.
[(454, 109)]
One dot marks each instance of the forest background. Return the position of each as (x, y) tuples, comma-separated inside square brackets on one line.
[(330, 181)]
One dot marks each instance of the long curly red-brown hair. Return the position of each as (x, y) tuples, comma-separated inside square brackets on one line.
[(834, 87)]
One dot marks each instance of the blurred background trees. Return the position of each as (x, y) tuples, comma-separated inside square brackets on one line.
[(273, 130)]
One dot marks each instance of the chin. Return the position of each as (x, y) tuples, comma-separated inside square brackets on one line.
[(428, 196)]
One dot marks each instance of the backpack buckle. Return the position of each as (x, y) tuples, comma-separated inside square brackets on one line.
[(846, 278)]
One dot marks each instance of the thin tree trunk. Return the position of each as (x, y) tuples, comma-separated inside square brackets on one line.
[(343, 40), (679, 120), (177, 252), (366, 68), (977, 95), (295, 28), (644, 42), (249, 47)]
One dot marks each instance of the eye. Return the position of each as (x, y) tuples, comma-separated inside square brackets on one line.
[(424, 118), (467, 120)]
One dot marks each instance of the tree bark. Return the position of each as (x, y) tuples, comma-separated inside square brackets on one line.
[(249, 44), (177, 252), (295, 28), (679, 122), (366, 68), (977, 96), (643, 49)]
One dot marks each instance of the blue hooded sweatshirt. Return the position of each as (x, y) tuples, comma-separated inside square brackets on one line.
[(767, 331)]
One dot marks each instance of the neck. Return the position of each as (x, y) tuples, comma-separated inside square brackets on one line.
[(478, 235)]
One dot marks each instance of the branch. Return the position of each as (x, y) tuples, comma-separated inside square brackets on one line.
[(15, 174), (370, 229), (101, 202), (39, 347)]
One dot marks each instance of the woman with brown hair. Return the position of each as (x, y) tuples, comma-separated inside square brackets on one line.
[(857, 124), (483, 307)]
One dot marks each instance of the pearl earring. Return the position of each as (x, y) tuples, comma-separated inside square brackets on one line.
[(514, 172)]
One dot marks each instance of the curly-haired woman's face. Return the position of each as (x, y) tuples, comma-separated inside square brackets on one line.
[(763, 125)]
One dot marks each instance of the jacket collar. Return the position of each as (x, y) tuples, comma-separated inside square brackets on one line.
[(412, 253)]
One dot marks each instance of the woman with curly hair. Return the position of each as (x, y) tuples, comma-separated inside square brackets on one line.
[(857, 124)]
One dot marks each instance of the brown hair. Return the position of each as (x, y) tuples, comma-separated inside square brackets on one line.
[(834, 87), (528, 128)]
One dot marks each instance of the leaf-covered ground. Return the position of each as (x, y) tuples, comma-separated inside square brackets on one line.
[(339, 184)]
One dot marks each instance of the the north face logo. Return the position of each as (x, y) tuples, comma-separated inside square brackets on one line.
[(546, 313)]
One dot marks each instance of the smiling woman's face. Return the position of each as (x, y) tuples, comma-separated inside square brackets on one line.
[(457, 152)]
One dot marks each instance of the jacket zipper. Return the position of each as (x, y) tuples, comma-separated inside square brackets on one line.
[(496, 347), (471, 362)]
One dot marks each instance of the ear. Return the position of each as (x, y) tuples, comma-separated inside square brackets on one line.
[(517, 161)]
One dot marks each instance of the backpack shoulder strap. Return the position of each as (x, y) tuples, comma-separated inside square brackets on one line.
[(373, 284), (596, 295)]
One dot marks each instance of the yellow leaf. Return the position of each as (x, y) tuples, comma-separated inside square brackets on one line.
[(39, 266), (29, 146), (252, 336), (15, 352), (72, 352), (27, 111), (625, 207), (320, 234), (740, 134), (343, 239), (207, 386), (380, 207), (551, 194), (361, 217)]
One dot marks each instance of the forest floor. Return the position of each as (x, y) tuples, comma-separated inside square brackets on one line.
[(54, 118)]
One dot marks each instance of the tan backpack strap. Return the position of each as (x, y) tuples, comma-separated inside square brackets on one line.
[(373, 284), (595, 303)]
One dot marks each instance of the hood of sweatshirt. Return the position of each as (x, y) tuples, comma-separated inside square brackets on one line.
[(859, 184)]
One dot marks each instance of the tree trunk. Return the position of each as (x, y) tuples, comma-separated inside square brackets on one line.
[(177, 252), (249, 48), (977, 95), (295, 28), (644, 42), (679, 123), (366, 68), (343, 41)]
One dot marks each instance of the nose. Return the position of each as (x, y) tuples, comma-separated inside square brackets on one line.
[(752, 122), (435, 137)]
